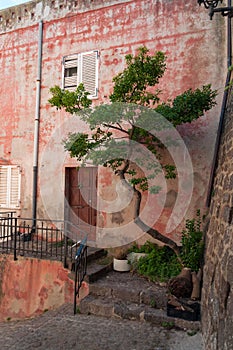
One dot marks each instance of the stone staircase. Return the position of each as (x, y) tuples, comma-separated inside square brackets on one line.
[(98, 264), (129, 296)]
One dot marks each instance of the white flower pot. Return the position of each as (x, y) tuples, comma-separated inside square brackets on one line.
[(121, 265)]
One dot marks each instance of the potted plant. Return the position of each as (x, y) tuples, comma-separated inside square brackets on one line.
[(121, 265), (120, 260)]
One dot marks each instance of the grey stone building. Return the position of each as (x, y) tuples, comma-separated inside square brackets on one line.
[(217, 292)]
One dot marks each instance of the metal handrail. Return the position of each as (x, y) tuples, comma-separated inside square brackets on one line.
[(80, 269), (46, 242), (50, 240)]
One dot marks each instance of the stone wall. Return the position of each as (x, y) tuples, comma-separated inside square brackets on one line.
[(217, 297), (30, 13)]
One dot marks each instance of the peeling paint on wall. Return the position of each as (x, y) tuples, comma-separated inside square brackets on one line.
[(29, 287), (115, 28)]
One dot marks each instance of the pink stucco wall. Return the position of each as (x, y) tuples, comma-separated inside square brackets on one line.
[(195, 49), (29, 287)]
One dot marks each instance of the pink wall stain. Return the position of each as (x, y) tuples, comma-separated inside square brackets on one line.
[(31, 286), (179, 28)]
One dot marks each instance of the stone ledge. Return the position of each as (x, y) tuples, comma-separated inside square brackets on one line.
[(115, 308), (129, 288)]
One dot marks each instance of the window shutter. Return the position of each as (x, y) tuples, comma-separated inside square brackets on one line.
[(3, 186), (81, 68), (89, 72), (14, 191), (70, 72), (9, 186)]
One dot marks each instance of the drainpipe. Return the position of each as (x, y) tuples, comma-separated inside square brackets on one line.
[(223, 109), (36, 128)]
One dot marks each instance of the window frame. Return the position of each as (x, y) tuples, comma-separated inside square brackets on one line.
[(69, 61)]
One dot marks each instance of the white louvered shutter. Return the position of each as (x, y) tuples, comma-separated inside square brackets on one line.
[(14, 200), (3, 187), (10, 186), (81, 68), (88, 72)]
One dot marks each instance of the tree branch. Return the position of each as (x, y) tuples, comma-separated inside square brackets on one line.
[(151, 231), (115, 128), (157, 235)]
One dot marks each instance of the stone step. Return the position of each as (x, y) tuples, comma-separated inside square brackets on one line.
[(98, 265), (130, 288), (111, 307), (96, 269), (148, 297), (95, 253), (92, 255), (96, 306)]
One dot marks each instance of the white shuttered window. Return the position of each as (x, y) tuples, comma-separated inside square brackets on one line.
[(81, 68), (10, 186)]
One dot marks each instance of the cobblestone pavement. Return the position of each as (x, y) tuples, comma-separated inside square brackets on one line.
[(60, 329)]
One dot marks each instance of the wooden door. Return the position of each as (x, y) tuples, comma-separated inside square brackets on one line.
[(81, 201)]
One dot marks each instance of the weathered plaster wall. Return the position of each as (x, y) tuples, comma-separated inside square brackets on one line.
[(29, 287), (217, 292), (179, 28)]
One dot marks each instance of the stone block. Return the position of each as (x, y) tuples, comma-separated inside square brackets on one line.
[(128, 311), (100, 290), (99, 307), (126, 294), (153, 298)]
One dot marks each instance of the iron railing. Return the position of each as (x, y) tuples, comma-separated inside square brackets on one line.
[(45, 240), (80, 269), (60, 240)]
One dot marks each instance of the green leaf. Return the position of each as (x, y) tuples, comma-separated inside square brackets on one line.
[(71, 101)]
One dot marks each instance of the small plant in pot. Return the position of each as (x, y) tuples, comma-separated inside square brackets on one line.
[(120, 261)]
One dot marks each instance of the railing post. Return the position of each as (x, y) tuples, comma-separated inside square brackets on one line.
[(15, 239), (66, 245), (75, 288), (80, 269), (10, 216)]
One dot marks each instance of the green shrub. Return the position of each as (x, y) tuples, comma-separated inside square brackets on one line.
[(145, 248), (160, 264), (192, 244)]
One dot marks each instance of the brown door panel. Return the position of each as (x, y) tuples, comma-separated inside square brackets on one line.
[(81, 195)]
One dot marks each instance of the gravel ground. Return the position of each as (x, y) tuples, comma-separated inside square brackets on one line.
[(59, 329)]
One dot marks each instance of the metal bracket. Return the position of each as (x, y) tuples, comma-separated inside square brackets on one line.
[(225, 11), (212, 6)]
